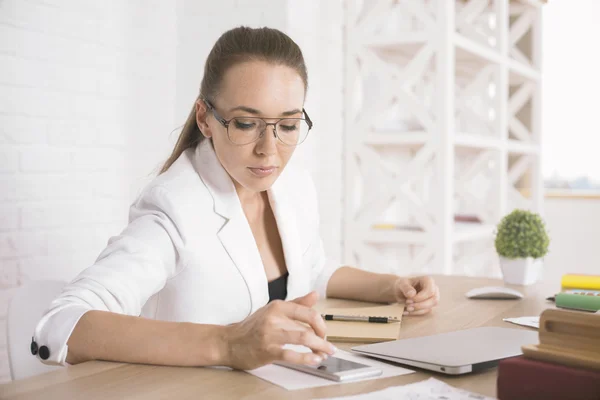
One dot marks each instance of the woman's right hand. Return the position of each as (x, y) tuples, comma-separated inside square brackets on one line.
[(259, 339)]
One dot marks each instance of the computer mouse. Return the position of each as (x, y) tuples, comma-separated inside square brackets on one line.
[(494, 292)]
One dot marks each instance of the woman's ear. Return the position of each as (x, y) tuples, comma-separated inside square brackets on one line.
[(201, 118)]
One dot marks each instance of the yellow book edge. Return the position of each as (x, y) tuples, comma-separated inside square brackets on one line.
[(576, 281)]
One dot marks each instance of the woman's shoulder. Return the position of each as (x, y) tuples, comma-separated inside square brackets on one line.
[(179, 185), (182, 171)]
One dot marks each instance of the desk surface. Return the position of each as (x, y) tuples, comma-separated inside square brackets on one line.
[(107, 380)]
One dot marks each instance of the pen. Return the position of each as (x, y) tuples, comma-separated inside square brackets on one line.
[(359, 318)]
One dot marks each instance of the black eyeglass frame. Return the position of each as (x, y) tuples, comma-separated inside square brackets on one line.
[(226, 122)]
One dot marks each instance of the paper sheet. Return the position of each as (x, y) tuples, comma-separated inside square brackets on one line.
[(294, 380), (430, 389), (532, 322)]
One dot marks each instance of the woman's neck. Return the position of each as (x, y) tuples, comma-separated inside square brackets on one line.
[(250, 199)]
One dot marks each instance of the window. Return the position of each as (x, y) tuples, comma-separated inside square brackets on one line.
[(571, 95)]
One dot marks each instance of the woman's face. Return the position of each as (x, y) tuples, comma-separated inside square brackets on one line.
[(254, 89)]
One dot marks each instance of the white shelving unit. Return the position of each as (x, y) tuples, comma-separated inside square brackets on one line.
[(442, 130)]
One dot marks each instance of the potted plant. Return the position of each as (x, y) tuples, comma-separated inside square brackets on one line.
[(521, 242)]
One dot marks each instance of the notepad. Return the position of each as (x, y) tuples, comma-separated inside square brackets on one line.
[(365, 332)]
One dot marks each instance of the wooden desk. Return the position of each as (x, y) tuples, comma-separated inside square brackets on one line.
[(107, 380)]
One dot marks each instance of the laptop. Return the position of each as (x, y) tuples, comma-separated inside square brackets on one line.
[(454, 353)]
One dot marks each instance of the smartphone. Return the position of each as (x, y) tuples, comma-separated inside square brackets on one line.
[(336, 369)]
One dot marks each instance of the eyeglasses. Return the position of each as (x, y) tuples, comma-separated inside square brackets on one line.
[(246, 130)]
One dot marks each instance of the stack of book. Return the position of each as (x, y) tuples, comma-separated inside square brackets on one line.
[(579, 292), (564, 365)]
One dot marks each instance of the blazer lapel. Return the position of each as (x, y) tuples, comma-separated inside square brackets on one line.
[(235, 234), (285, 215)]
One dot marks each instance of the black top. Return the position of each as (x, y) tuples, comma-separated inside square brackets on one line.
[(278, 288)]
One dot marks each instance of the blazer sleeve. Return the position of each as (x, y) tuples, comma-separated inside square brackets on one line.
[(322, 267), (133, 266)]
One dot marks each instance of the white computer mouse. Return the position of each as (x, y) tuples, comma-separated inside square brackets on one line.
[(494, 292)]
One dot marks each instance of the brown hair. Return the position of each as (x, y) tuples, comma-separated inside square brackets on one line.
[(236, 46)]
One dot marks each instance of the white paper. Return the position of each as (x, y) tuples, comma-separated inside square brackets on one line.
[(430, 389), (294, 380), (532, 322)]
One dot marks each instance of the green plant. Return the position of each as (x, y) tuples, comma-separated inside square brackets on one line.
[(522, 234)]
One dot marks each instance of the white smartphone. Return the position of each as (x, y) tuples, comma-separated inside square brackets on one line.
[(336, 369)]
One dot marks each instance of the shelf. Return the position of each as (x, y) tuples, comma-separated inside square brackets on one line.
[(519, 146), (468, 140), (475, 53), (520, 72), (402, 39), (396, 138), (394, 236), (472, 51), (472, 140), (533, 3), (457, 81), (465, 231), (481, 142), (470, 55)]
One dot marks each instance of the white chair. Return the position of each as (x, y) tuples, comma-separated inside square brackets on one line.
[(24, 311)]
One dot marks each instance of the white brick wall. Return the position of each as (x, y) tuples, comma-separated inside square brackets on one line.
[(87, 90), (9, 161), (90, 93)]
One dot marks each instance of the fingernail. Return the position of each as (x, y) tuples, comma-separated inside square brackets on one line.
[(333, 349), (409, 301), (410, 309), (405, 313), (317, 359)]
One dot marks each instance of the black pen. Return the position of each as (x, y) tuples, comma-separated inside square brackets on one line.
[(359, 318)]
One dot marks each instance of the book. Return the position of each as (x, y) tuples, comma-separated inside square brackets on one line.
[(364, 332), (580, 281), (589, 301), (520, 378)]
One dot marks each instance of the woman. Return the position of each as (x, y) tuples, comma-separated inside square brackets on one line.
[(222, 261)]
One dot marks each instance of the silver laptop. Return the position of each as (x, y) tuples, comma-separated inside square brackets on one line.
[(454, 353)]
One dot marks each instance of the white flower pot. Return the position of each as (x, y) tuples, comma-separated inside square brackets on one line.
[(521, 271)]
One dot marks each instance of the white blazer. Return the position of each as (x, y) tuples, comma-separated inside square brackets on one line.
[(188, 253)]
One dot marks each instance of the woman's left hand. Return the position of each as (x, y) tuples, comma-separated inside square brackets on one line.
[(420, 294)]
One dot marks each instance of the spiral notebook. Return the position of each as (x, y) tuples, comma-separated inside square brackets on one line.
[(365, 332)]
